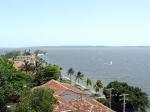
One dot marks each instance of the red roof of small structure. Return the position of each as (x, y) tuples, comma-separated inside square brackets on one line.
[(78, 105)]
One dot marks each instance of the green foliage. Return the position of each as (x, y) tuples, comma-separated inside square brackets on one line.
[(28, 67), (9, 55), (137, 99), (79, 76), (88, 82), (12, 84), (70, 72), (104, 101), (32, 68), (47, 73), (39, 100), (2, 100), (98, 86)]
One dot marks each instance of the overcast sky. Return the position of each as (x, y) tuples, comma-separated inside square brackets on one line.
[(74, 22)]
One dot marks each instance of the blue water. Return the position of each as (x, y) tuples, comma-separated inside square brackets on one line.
[(127, 64)]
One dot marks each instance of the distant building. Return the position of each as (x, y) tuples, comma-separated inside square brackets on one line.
[(28, 58), (19, 61), (72, 99)]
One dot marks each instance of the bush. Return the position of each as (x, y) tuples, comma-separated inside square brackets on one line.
[(39, 100), (103, 101), (12, 84), (137, 99)]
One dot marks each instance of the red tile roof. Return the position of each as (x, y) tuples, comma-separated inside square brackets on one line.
[(82, 105), (78, 105), (63, 106), (59, 88)]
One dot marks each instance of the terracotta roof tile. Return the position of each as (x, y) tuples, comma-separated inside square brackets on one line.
[(89, 105), (60, 87), (63, 106), (78, 105)]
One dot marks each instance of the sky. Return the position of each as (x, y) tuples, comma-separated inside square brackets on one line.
[(25, 23)]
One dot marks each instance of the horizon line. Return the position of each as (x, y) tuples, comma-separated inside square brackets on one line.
[(76, 46)]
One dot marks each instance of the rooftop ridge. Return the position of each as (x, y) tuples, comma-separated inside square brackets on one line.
[(102, 105), (58, 83), (62, 85)]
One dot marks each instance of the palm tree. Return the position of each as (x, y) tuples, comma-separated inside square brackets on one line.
[(98, 86), (37, 66), (27, 66), (70, 72), (88, 82), (79, 76)]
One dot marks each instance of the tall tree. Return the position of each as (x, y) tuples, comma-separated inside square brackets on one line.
[(98, 86), (70, 73), (27, 66), (88, 82), (37, 67), (138, 100), (79, 76)]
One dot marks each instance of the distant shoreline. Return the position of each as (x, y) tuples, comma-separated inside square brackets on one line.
[(73, 46)]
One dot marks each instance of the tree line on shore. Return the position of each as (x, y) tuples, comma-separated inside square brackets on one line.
[(80, 76)]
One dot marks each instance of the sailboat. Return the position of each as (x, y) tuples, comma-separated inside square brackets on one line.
[(110, 63)]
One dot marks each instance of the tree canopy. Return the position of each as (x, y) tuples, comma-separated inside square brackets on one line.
[(137, 100), (79, 76), (70, 72), (12, 84), (88, 82), (47, 73), (9, 55), (98, 86), (39, 100)]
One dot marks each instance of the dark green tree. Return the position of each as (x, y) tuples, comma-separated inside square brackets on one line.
[(39, 100), (3, 101), (47, 73), (37, 67), (12, 84), (33, 68), (98, 86), (88, 82), (137, 100), (79, 76), (70, 73)]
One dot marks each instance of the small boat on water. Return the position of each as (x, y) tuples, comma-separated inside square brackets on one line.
[(110, 63)]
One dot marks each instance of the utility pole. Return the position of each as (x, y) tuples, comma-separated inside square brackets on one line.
[(124, 101), (110, 96)]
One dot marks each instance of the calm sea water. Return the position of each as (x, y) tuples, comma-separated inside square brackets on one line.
[(127, 64)]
